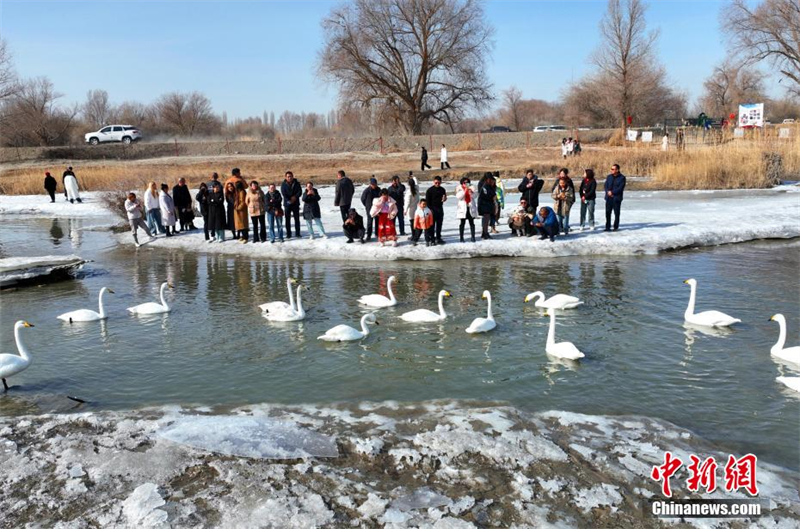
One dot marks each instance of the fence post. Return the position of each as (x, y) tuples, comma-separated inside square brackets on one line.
[(381, 140), (176, 147)]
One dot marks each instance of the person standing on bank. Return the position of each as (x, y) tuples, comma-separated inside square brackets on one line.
[(487, 195), (422, 222), (353, 226), (50, 186), (240, 219), (274, 213), (397, 193), (311, 211), (214, 180), (202, 201), (467, 208), (411, 199), (435, 197), (236, 176), (167, 205), (230, 202), (256, 208), (368, 196), (291, 191), (134, 210), (183, 203), (443, 158), (384, 209), (64, 176), (424, 159), (344, 194), (217, 219), (564, 197), (588, 192), (614, 189), (530, 188), (153, 209)]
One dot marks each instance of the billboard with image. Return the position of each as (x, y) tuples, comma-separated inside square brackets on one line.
[(751, 115)]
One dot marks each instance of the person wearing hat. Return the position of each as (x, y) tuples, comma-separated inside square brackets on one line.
[(50, 186), (353, 226), (368, 196), (435, 197)]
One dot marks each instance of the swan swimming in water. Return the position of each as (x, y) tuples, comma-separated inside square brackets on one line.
[(151, 307), (345, 333), (562, 349), (425, 315), (12, 364), (709, 318), (559, 301), (86, 314), (281, 305), (289, 314), (787, 354), (483, 324), (379, 300)]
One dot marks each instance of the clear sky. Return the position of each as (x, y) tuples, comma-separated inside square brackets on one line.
[(251, 56)]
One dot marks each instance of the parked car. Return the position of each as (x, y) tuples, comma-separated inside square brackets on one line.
[(541, 128), (558, 127), (496, 128), (788, 121), (124, 133)]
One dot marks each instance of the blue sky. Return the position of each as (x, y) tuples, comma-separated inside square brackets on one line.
[(250, 56)]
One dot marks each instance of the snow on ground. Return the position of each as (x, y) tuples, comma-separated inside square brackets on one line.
[(40, 206), (16, 269), (440, 464)]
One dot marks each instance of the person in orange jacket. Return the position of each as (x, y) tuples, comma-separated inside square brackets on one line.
[(423, 222)]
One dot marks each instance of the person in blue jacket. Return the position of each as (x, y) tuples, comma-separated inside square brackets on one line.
[(546, 223), (613, 190)]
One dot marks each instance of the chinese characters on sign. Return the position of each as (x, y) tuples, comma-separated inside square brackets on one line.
[(739, 474)]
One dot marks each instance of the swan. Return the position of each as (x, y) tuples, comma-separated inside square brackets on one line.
[(790, 382), (289, 314), (562, 349), (483, 324), (13, 364), (787, 354), (281, 305), (709, 318), (86, 314), (559, 301), (379, 300), (345, 333), (151, 307), (425, 315)]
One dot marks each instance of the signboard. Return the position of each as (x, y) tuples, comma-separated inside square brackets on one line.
[(751, 115), (784, 133), (647, 136), (632, 135), (738, 133)]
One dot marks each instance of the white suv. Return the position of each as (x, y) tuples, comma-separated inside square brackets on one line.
[(124, 133)]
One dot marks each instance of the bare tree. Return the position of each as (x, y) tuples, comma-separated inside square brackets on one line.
[(187, 113), (729, 85), (420, 60), (32, 115), (512, 108), (769, 31), (97, 110), (8, 76)]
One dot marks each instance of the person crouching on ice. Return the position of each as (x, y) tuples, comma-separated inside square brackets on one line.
[(546, 224), (423, 221)]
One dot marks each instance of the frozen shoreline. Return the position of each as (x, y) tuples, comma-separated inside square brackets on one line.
[(434, 464)]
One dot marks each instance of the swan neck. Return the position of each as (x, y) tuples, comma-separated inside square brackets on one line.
[(101, 308), (781, 336), (364, 328), (551, 332), (441, 305), (690, 308), (291, 294), (23, 351), (489, 307), (300, 301), (163, 300), (389, 288), (538, 298)]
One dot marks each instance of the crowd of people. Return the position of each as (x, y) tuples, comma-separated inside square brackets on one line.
[(570, 147)]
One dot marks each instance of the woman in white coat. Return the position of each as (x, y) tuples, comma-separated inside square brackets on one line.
[(467, 208), (71, 188), (411, 199), (152, 209), (167, 206)]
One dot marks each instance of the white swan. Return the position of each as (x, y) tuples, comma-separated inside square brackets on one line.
[(289, 314), (562, 349), (281, 305), (559, 301), (13, 364), (787, 354), (484, 324), (790, 382), (151, 307), (709, 318), (425, 315), (345, 333), (86, 314), (379, 300)]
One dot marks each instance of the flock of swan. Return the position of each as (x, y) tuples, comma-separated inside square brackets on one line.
[(280, 311)]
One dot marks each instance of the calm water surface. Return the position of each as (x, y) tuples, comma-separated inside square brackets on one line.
[(215, 348)]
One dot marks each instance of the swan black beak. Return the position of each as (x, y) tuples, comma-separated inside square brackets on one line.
[(111, 291), (170, 285), (376, 322), (26, 324), (685, 281)]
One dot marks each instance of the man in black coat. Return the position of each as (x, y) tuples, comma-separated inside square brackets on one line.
[(214, 180), (183, 203), (369, 194), (424, 159), (64, 177), (436, 196), (530, 188), (50, 186), (291, 191), (397, 193), (353, 226), (613, 190), (344, 194)]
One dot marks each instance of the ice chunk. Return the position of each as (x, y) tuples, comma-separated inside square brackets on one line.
[(76, 471), (422, 498), (16, 269), (256, 437), (373, 507), (603, 494), (141, 507)]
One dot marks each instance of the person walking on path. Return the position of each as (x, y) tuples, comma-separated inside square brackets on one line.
[(397, 193), (217, 219), (64, 176), (257, 208), (467, 207), (424, 159), (274, 213), (312, 212), (50, 186), (443, 158), (291, 191), (202, 201), (422, 221), (546, 224), (487, 196), (134, 210), (435, 197), (384, 209), (344, 194), (368, 196), (183, 203), (530, 187), (411, 199), (613, 190), (353, 226), (240, 218), (564, 197), (230, 202), (167, 206), (588, 192), (153, 209)]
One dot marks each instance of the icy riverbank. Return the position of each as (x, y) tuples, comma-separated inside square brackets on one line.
[(19, 269), (436, 464)]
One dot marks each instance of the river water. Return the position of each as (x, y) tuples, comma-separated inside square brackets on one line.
[(216, 349)]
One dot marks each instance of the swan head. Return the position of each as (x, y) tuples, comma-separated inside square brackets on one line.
[(486, 295), (22, 323), (169, 285), (371, 318), (692, 282), (533, 295), (391, 279), (105, 289), (445, 293), (778, 317)]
